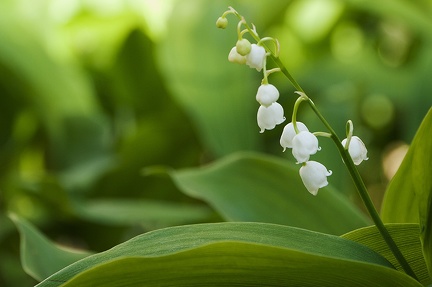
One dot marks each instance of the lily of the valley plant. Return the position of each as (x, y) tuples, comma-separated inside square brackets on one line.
[(296, 135), (276, 226)]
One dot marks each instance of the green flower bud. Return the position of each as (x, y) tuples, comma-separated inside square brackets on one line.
[(222, 22), (243, 47)]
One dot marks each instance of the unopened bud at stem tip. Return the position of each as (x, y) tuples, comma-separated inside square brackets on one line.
[(222, 22)]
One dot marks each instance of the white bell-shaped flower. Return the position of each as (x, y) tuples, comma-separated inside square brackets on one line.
[(256, 56), (304, 144), (269, 117), (357, 150), (235, 57), (314, 176), (289, 133), (267, 94)]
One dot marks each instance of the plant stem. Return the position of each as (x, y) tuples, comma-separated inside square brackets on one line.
[(361, 188), (358, 181)]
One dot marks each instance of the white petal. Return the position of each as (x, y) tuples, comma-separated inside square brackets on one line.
[(289, 133), (265, 119), (356, 149), (269, 117), (267, 94), (304, 144), (314, 176), (278, 113), (235, 57), (255, 59)]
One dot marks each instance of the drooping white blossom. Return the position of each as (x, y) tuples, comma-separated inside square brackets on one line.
[(267, 94), (256, 56), (235, 57), (314, 176), (356, 149), (269, 117), (289, 133), (304, 144)]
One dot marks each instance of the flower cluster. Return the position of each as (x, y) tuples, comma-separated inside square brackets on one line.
[(270, 113), (303, 143), (295, 135)]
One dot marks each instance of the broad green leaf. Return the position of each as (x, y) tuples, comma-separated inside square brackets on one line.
[(409, 195), (40, 257), (239, 264), (150, 213), (407, 239), (172, 240), (259, 188)]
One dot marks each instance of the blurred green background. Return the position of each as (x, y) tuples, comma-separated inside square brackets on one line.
[(92, 92)]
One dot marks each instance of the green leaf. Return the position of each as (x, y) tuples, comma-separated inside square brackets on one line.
[(150, 213), (239, 264), (40, 257), (409, 195), (408, 192), (233, 253), (407, 239), (259, 188)]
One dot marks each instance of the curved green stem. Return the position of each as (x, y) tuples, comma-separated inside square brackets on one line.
[(349, 133), (358, 181), (361, 188), (371, 208), (300, 99)]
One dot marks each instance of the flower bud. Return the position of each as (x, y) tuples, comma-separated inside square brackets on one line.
[(357, 150), (255, 59), (243, 47), (289, 133), (267, 94), (314, 176), (304, 144), (222, 22), (235, 57), (269, 117)]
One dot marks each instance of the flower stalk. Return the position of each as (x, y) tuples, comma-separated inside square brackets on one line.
[(268, 122), (361, 188), (358, 181)]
